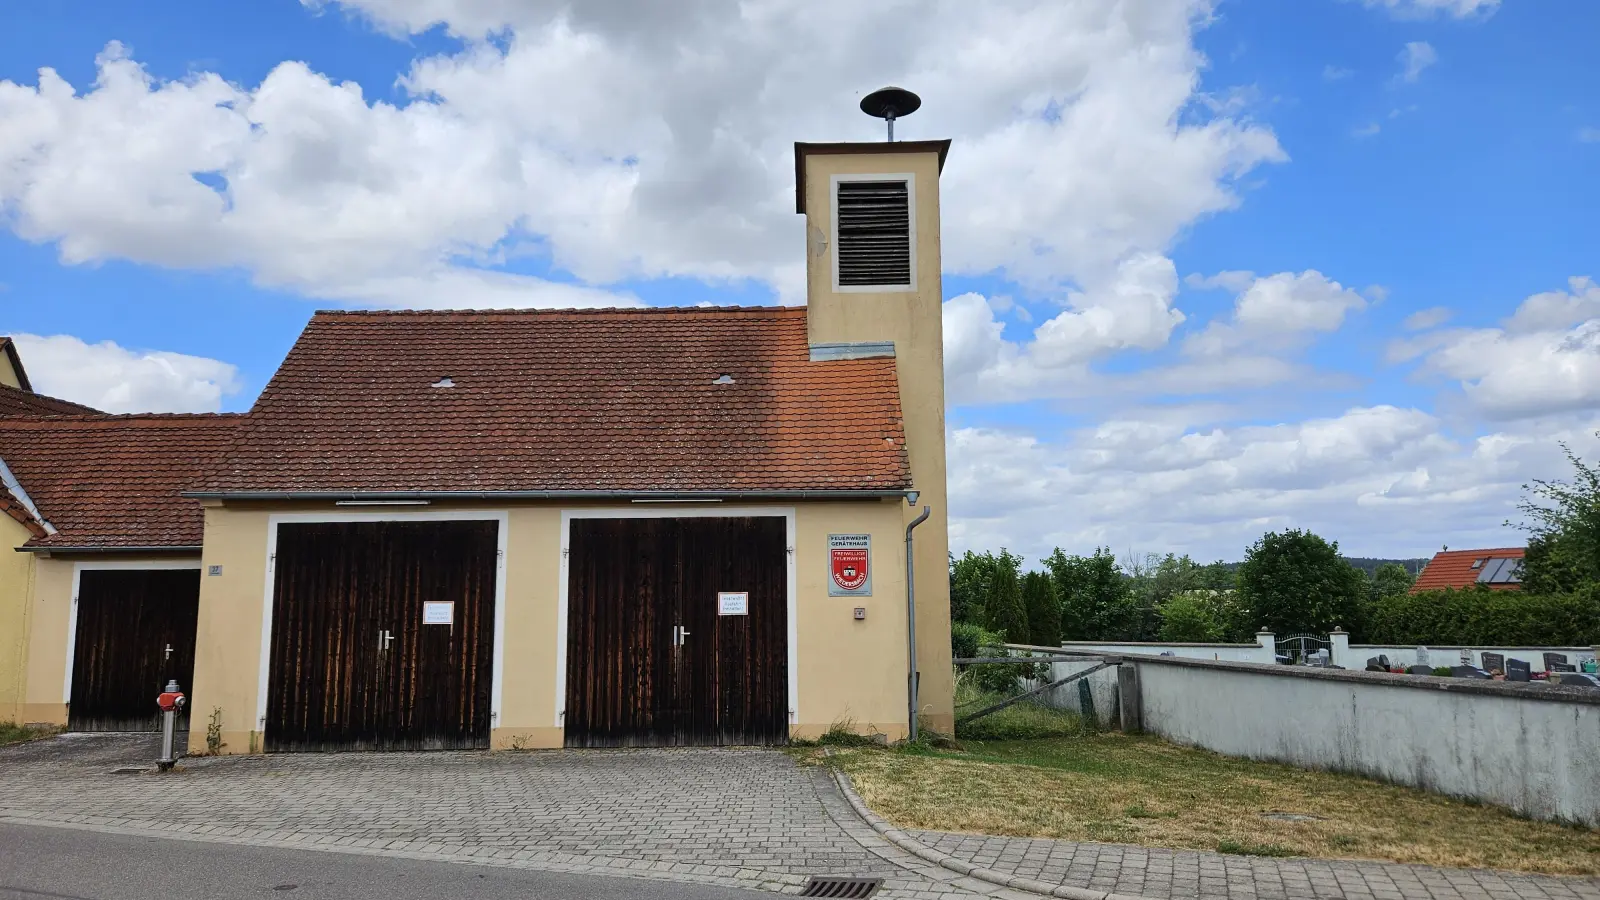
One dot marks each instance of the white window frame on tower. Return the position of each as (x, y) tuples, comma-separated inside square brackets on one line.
[(911, 231)]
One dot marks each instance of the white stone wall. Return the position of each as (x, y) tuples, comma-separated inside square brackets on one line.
[(1532, 747)]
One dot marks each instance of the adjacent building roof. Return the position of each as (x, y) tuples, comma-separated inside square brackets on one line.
[(9, 348), (17, 402), (111, 482), (1497, 568), (688, 400)]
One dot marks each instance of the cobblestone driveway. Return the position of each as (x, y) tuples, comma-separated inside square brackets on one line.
[(745, 818), (1180, 873)]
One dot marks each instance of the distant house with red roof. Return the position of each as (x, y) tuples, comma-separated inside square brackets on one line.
[(1499, 569)]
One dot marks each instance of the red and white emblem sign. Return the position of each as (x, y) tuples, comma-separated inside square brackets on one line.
[(849, 564)]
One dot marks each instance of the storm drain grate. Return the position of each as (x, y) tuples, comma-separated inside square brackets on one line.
[(841, 886), (127, 771)]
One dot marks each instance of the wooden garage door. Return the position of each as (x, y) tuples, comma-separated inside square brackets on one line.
[(135, 630), (353, 665), (649, 659)]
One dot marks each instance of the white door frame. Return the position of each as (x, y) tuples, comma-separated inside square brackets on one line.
[(78, 568), (668, 511), (500, 516)]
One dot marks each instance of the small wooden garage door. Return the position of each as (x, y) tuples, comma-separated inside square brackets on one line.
[(135, 631), (353, 665), (649, 660)]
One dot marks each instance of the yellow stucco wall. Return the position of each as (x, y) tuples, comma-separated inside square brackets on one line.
[(8, 375), (848, 670), (913, 320), (51, 615), (16, 594)]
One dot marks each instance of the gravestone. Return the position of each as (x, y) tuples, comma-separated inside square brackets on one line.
[(1376, 664), (1580, 679), (1561, 667), (1494, 662), (1318, 658), (1422, 657), (1466, 656), (1419, 670), (1551, 660), (1518, 670), (1468, 672)]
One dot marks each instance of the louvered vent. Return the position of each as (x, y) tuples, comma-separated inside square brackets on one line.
[(874, 234)]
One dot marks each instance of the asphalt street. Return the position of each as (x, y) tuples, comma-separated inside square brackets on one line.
[(41, 862)]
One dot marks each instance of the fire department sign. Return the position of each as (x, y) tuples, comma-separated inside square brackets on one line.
[(849, 565)]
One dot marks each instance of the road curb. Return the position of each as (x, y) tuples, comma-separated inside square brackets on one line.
[(915, 847)]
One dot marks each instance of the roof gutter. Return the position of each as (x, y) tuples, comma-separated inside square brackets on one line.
[(102, 548), (678, 496), (14, 486)]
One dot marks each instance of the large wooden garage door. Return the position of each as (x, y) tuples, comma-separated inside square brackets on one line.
[(649, 659), (135, 631), (353, 664)]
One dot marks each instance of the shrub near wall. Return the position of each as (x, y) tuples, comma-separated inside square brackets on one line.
[(1479, 616)]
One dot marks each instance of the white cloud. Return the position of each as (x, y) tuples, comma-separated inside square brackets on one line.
[(1368, 130), (1423, 319), (115, 379), (635, 140), (1381, 480), (1422, 9), (1589, 135), (1132, 309), (1272, 316), (1414, 57), (1279, 311), (1544, 360)]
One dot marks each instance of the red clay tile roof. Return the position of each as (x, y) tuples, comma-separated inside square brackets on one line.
[(1453, 568), (113, 481), (15, 402), (566, 401)]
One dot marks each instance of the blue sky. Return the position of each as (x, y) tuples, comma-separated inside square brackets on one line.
[(1263, 264)]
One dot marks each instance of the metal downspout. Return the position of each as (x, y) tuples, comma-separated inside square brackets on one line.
[(911, 622)]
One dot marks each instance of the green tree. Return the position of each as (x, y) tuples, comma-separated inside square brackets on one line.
[(1294, 581), (1390, 580), (1007, 616), (1044, 611), (1564, 531), (1092, 593), (1190, 618), (971, 579)]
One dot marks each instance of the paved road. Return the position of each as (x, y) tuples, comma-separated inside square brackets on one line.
[(40, 863)]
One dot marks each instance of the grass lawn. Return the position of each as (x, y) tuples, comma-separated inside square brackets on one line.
[(12, 733), (1082, 785)]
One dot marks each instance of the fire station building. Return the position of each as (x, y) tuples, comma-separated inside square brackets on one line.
[(495, 529)]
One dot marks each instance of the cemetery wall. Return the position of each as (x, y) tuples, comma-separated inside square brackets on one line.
[(1262, 651), (1532, 747)]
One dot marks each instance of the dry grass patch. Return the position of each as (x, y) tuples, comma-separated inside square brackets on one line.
[(1141, 790), (12, 733)]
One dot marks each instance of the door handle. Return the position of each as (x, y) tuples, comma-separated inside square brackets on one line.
[(680, 635), (168, 652), (384, 639)]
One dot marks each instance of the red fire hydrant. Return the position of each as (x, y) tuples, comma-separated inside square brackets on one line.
[(171, 701)]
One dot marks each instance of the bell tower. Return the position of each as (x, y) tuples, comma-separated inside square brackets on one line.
[(873, 288)]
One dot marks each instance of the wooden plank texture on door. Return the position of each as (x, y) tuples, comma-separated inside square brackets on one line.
[(135, 630), (353, 667), (649, 660)]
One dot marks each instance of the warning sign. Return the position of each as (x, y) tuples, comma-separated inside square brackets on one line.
[(849, 565)]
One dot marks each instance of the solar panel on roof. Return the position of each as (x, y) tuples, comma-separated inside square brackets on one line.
[(1510, 573), (1490, 570)]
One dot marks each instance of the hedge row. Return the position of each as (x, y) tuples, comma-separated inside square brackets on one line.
[(1482, 617)]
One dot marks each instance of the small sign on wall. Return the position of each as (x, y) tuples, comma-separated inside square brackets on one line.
[(733, 603), (438, 612), (849, 565)]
